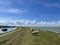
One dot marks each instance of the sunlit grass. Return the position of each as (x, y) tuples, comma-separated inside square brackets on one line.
[(24, 37)]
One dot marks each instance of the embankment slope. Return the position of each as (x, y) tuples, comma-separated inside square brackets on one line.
[(24, 36)]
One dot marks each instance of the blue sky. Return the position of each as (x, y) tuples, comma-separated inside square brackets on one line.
[(32, 12)]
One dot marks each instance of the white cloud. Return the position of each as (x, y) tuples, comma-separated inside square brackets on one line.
[(51, 24), (51, 5), (30, 23), (13, 10), (2, 2), (6, 22), (6, 7), (5, 3)]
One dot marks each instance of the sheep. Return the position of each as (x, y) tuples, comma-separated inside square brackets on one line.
[(58, 35), (35, 32), (44, 31), (32, 29)]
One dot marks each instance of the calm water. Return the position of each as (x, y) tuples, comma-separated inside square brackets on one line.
[(8, 29), (53, 29)]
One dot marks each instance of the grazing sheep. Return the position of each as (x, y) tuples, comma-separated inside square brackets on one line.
[(32, 29), (58, 35), (35, 32), (44, 30)]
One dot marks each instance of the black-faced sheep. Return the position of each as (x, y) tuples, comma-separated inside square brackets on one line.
[(35, 32)]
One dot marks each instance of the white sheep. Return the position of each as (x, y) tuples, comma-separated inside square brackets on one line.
[(58, 35), (35, 32), (32, 29)]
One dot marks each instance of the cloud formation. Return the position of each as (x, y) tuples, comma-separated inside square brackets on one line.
[(30, 23), (51, 5), (5, 2), (7, 6), (13, 10)]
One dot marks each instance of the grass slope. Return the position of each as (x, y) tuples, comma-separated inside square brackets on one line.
[(24, 36)]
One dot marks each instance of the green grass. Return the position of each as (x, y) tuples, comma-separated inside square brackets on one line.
[(24, 36)]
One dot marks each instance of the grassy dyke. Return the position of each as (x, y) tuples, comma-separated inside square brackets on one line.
[(24, 36)]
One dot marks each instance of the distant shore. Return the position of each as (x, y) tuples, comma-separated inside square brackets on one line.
[(7, 26)]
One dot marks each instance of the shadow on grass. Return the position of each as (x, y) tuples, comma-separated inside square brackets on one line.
[(4, 41)]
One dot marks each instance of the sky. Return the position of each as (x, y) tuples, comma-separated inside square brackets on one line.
[(43, 13)]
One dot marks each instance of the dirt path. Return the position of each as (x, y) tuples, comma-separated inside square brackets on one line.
[(24, 36), (20, 37), (9, 33)]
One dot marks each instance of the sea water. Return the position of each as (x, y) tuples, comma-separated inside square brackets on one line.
[(53, 29), (8, 29)]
